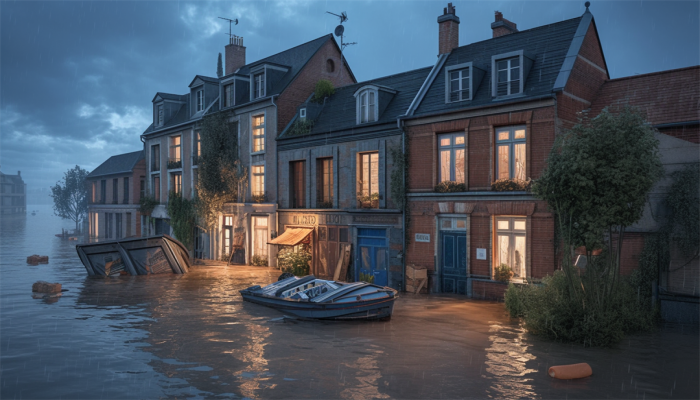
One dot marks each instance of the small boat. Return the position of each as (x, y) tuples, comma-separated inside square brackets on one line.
[(138, 256), (308, 297)]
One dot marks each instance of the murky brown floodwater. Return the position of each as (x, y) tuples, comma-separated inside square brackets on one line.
[(191, 336)]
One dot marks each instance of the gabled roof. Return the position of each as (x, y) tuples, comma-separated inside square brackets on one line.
[(16, 179), (167, 96), (339, 112), (548, 45), (208, 79), (119, 164), (180, 117), (666, 97)]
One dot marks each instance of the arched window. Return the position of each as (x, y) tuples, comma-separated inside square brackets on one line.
[(330, 65), (366, 105)]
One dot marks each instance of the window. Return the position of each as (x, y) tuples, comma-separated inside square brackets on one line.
[(260, 237), (127, 232), (511, 240), (200, 100), (174, 160), (258, 172), (511, 155), (103, 191), (108, 225), (195, 182), (94, 192), (459, 85), (176, 182), (118, 225), (228, 235), (302, 113), (197, 149), (324, 183), (298, 185), (228, 95), (155, 157), (369, 179), (367, 106), (126, 190), (155, 185), (258, 133), (508, 75), (115, 191), (160, 115), (259, 85), (451, 147)]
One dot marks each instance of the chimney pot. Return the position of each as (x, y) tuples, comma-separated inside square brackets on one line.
[(235, 54), (502, 26), (449, 30)]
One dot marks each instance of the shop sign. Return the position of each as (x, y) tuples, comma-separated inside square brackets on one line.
[(423, 237), (304, 219), (333, 219)]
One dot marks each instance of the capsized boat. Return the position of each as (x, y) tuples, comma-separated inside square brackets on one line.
[(309, 297), (138, 256)]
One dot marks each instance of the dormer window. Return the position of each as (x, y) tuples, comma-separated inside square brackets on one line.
[(160, 115), (228, 95), (302, 113), (509, 73), (258, 85), (200, 100), (366, 105), (458, 82)]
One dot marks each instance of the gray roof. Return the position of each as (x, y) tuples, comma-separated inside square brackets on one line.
[(180, 117), (119, 164), (339, 112), (547, 44), (168, 96), (16, 179)]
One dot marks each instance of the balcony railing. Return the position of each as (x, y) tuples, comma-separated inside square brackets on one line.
[(174, 163)]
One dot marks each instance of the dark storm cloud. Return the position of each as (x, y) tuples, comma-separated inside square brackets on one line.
[(77, 78)]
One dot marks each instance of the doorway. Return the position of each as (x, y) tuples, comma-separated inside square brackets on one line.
[(372, 254), (453, 256)]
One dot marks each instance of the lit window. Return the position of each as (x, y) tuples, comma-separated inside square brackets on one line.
[(369, 179), (258, 172), (511, 244), (174, 157), (228, 95), (259, 85), (258, 133), (459, 85), (367, 106), (176, 182), (451, 157), (508, 75), (200, 100), (510, 148)]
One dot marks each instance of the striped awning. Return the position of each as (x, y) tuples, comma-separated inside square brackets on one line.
[(292, 236)]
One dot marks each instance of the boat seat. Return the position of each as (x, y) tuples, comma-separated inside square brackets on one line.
[(297, 282)]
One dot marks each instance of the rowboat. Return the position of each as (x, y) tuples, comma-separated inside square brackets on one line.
[(312, 298), (137, 256)]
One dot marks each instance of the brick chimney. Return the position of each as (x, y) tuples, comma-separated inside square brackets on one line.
[(235, 54), (449, 30), (502, 26)]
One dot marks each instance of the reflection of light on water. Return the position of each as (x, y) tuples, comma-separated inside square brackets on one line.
[(367, 376), (506, 363)]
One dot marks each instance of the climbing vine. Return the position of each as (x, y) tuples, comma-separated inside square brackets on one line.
[(183, 216)]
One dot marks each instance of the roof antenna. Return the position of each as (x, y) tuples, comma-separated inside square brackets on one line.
[(339, 30), (230, 21)]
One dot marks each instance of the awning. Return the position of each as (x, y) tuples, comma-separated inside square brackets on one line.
[(292, 236)]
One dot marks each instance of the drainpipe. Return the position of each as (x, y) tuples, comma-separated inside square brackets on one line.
[(277, 180), (399, 124)]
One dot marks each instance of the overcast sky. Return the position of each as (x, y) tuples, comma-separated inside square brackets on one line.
[(77, 78)]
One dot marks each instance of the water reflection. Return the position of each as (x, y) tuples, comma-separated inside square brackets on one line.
[(506, 362)]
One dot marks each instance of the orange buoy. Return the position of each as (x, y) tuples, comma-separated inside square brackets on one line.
[(572, 371)]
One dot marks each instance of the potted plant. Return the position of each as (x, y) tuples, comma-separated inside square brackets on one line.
[(503, 273)]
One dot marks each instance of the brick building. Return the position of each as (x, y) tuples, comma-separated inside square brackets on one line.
[(114, 190), (13, 194)]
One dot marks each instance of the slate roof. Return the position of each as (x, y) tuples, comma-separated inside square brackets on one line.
[(180, 117), (16, 179), (339, 111), (666, 96), (119, 164), (548, 45), (168, 96)]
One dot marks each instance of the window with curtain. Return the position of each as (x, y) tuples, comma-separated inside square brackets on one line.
[(324, 182), (258, 133), (258, 178), (511, 153), (511, 244), (369, 178), (451, 148)]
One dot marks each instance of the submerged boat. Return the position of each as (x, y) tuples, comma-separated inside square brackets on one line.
[(309, 297), (138, 256)]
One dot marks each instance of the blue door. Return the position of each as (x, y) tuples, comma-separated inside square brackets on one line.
[(372, 256), (454, 262)]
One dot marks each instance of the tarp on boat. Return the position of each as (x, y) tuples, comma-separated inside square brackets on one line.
[(292, 236), (137, 256)]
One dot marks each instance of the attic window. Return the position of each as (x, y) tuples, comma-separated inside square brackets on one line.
[(259, 88), (330, 65), (366, 106), (509, 71), (200, 100), (458, 82), (302, 113), (228, 95), (160, 115)]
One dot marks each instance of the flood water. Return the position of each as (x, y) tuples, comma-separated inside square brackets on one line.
[(191, 336)]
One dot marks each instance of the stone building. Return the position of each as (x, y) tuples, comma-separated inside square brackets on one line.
[(114, 190), (13, 194)]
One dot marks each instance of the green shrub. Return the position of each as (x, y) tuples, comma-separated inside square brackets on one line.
[(294, 263), (324, 88), (510, 185), (259, 261), (550, 311), (503, 273), (369, 278), (301, 127), (450, 186)]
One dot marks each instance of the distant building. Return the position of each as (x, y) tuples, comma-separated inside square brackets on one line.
[(13, 194), (114, 190)]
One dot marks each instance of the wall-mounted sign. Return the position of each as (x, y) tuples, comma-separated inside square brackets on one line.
[(480, 254), (423, 237)]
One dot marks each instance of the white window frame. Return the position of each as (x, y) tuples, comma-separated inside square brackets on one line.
[(511, 233), (494, 73), (363, 104), (199, 95), (228, 95), (160, 114), (510, 142), (260, 93), (252, 132), (448, 82), (452, 147), (302, 113)]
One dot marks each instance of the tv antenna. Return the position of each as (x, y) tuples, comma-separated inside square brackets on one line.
[(230, 21), (339, 31)]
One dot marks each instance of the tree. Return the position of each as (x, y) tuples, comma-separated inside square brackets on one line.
[(219, 67), (596, 181), (70, 196)]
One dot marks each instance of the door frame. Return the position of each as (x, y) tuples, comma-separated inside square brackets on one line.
[(437, 283)]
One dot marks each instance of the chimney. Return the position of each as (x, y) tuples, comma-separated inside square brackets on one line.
[(235, 54), (502, 26), (449, 30), (19, 173)]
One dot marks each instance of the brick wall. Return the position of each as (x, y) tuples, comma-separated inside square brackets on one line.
[(305, 82), (489, 290), (543, 259)]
